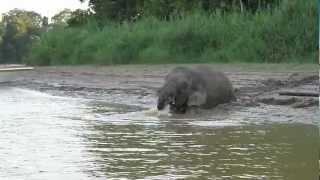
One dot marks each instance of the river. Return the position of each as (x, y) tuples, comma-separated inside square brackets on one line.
[(59, 137)]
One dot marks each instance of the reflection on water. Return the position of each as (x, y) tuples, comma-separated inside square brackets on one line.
[(280, 151), (47, 137)]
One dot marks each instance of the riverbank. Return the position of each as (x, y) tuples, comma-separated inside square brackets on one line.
[(256, 84)]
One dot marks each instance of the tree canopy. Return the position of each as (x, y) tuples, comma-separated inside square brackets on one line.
[(120, 10), (19, 28), (62, 17)]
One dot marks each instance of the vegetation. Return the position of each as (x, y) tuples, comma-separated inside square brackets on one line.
[(120, 10), (194, 31), (18, 29)]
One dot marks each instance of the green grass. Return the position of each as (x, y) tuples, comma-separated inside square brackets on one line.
[(288, 34)]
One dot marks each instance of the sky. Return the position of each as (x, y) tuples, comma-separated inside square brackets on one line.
[(44, 7)]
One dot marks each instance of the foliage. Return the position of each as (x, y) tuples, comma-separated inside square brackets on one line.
[(1, 30), (127, 10), (1, 34), (288, 34), (61, 18), (117, 10), (20, 28)]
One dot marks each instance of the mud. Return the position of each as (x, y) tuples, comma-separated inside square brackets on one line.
[(140, 82)]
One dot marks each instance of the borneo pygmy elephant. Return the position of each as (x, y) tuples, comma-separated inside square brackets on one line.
[(201, 87)]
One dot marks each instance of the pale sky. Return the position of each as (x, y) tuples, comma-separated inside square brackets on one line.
[(44, 7)]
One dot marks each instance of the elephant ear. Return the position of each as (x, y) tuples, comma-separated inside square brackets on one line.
[(197, 98)]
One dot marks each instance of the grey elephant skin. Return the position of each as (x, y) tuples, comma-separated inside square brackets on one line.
[(199, 87)]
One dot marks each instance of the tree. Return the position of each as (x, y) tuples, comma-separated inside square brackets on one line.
[(79, 17), (1, 30), (20, 27), (61, 18), (1, 33), (126, 10), (116, 10)]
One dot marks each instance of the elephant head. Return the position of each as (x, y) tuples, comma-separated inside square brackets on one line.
[(175, 94)]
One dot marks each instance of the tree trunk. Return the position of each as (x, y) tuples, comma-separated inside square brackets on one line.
[(241, 6)]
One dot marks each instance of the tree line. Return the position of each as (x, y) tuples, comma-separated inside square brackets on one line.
[(127, 10), (20, 28)]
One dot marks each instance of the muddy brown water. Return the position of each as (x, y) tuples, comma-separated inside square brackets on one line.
[(56, 134)]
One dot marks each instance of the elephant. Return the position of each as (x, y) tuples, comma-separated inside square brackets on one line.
[(198, 87)]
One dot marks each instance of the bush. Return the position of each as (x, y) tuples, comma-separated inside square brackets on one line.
[(286, 34)]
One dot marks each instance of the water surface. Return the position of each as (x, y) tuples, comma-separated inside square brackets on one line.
[(50, 137)]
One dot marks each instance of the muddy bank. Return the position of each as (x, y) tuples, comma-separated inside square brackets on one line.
[(253, 84), (134, 86)]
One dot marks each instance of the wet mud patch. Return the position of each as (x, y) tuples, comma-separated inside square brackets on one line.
[(276, 89), (297, 91), (123, 90), (295, 102)]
